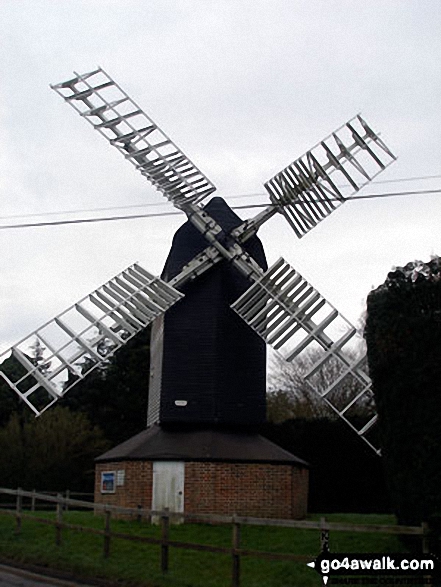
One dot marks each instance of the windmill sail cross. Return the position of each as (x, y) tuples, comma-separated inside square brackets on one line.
[(281, 306)]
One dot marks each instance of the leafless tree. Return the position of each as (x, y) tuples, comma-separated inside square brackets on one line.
[(290, 395)]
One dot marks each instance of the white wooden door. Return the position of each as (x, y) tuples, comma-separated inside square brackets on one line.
[(168, 486)]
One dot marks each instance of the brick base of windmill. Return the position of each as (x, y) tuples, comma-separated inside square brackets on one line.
[(214, 473)]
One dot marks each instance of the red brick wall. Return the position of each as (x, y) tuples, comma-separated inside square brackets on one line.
[(261, 490), (300, 486), (247, 489)]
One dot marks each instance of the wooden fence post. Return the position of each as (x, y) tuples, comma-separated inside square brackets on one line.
[(59, 520), (108, 514), (426, 548), (66, 505), (235, 570), (165, 526), (324, 536), (425, 540), (18, 510), (324, 540)]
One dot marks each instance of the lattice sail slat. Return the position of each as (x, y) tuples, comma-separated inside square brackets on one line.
[(309, 189), (295, 320), (64, 350), (104, 104)]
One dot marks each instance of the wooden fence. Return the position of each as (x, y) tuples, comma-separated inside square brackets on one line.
[(4, 504), (235, 551)]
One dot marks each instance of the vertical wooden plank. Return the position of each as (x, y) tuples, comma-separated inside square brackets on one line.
[(66, 504), (107, 535), (33, 500), (165, 527), (235, 570)]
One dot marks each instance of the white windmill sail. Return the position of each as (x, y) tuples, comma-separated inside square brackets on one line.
[(105, 105), (293, 318), (322, 179), (84, 336)]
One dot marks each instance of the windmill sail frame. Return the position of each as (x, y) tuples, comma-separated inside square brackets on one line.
[(84, 336), (280, 305)]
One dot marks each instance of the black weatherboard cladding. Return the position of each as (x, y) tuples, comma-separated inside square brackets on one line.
[(211, 359)]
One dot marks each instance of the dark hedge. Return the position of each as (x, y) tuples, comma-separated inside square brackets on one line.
[(403, 335), (345, 474)]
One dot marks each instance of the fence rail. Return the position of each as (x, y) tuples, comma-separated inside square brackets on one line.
[(63, 503), (34, 495)]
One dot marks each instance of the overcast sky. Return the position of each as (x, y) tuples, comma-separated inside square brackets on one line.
[(244, 88)]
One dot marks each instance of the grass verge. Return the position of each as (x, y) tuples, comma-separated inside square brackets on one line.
[(137, 564)]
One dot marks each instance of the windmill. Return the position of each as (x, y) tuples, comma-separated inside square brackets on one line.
[(278, 303)]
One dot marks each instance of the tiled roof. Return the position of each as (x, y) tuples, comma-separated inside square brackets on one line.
[(157, 443)]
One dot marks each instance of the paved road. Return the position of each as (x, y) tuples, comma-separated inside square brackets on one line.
[(11, 577)]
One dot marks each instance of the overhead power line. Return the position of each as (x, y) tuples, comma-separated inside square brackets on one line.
[(419, 178), (175, 213), (359, 197), (155, 204), (87, 220)]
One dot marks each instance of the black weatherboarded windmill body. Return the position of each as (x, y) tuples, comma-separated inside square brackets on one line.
[(208, 366), (213, 311)]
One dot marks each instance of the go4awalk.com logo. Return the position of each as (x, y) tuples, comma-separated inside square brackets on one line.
[(403, 566)]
